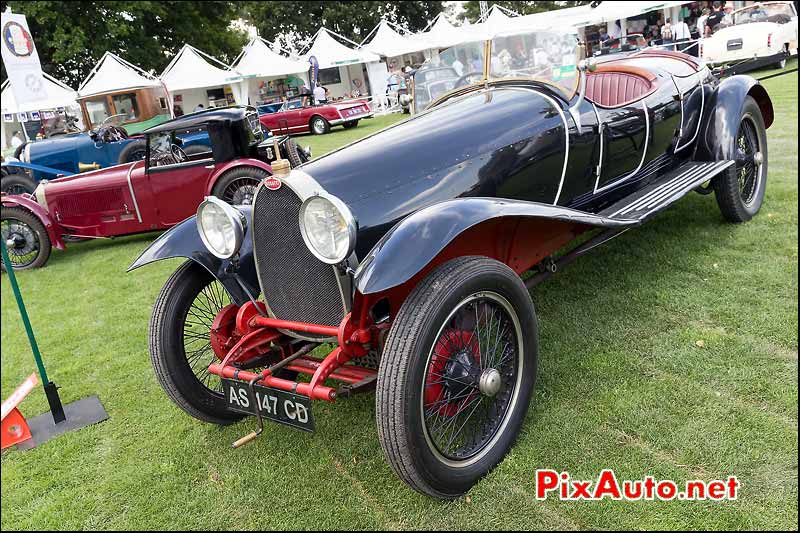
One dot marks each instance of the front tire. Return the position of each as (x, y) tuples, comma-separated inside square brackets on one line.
[(238, 186), (740, 189), (463, 348), (26, 238), (133, 151), (17, 183), (180, 329), (293, 153)]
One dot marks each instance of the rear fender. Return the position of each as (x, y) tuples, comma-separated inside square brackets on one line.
[(236, 163), (515, 232), (27, 202), (722, 118), (183, 240)]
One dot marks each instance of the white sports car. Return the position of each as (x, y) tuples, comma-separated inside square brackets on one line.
[(753, 37)]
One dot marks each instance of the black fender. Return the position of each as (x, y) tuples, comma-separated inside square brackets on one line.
[(183, 240), (417, 239), (725, 110)]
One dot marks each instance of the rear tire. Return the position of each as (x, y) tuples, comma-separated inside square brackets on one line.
[(319, 126), (31, 248), (431, 334), (740, 189), (171, 365), (350, 124), (238, 186)]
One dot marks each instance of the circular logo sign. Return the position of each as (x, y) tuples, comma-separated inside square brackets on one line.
[(17, 39), (272, 183)]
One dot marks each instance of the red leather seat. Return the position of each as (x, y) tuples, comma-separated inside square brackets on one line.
[(617, 85)]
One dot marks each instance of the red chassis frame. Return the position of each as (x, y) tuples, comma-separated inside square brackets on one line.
[(240, 334)]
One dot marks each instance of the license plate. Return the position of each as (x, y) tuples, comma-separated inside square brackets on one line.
[(273, 404), (735, 44)]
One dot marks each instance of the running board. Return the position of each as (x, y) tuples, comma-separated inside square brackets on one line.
[(663, 193)]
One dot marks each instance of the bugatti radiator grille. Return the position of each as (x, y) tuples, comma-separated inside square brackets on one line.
[(295, 284)]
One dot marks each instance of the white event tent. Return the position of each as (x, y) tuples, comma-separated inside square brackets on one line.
[(397, 50), (112, 73), (192, 80), (442, 34), (355, 66), (259, 63), (387, 42)]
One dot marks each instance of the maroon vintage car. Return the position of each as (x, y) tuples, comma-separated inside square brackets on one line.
[(301, 114), (152, 194)]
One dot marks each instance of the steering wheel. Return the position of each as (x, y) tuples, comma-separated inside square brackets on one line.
[(111, 133), (462, 80), (178, 153)]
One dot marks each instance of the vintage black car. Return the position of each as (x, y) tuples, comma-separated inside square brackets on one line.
[(406, 249)]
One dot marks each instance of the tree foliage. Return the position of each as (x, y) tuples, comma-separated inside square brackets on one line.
[(472, 9), (72, 36), (351, 19)]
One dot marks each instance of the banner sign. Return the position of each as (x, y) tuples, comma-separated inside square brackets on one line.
[(313, 72), (21, 60)]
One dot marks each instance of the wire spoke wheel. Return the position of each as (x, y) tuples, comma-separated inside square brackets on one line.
[(241, 191), (197, 333), (748, 166), (22, 242), (471, 377)]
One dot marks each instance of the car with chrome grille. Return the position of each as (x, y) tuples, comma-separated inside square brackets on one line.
[(150, 194), (402, 262)]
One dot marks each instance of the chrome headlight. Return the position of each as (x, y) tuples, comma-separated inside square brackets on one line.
[(328, 228), (221, 227)]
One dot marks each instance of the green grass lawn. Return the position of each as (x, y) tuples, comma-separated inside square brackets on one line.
[(623, 384)]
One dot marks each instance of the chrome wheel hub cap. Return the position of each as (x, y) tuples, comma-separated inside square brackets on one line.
[(489, 383)]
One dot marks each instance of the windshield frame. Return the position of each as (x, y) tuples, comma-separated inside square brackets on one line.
[(487, 78)]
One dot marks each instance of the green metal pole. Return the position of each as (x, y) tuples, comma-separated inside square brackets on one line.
[(50, 388)]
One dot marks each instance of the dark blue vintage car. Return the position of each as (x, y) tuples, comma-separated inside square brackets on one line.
[(401, 256), (71, 153)]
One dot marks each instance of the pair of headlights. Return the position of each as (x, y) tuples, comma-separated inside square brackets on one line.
[(326, 224)]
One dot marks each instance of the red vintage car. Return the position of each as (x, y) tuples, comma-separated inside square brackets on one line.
[(301, 114), (147, 195)]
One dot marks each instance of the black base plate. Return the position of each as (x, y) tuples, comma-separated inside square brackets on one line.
[(80, 414)]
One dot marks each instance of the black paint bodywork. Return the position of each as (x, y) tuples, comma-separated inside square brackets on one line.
[(183, 240), (415, 186)]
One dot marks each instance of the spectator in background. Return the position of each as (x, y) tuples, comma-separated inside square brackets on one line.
[(666, 31), (715, 18), (458, 66), (17, 140), (200, 107), (701, 22), (681, 32), (319, 94), (614, 30), (728, 18)]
